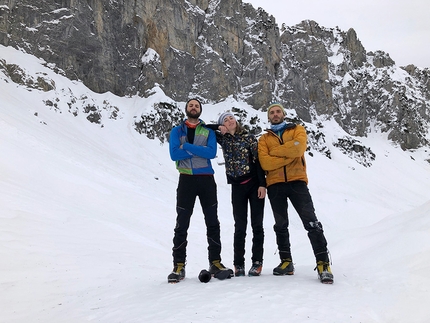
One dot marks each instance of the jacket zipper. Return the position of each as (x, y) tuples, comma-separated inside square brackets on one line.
[(281, 141)]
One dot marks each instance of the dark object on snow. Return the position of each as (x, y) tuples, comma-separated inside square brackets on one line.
[(224, 274), (205, 276)]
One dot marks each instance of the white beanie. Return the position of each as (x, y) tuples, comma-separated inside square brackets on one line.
[(223, 116)]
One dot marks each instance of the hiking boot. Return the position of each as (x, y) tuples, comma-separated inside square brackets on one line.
[(324, 272), (286, 267), (177, 274), (239, 270), (218, 270), (256, 268)]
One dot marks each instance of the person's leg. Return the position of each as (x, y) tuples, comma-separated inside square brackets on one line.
[(302, 202), (239, 203), (185, 199), (257, 214), (277, 194), (208, 200)]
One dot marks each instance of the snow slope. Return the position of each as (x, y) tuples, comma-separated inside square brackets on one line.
[(87, 216)]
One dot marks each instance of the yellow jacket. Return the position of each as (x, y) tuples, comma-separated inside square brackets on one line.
[(282, 158)]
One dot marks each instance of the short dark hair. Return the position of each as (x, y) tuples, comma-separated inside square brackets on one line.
[(186, 104)]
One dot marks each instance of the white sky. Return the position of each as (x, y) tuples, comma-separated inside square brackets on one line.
[(400, 28)]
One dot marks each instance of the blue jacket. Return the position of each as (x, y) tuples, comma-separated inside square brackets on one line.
[(193, 159)]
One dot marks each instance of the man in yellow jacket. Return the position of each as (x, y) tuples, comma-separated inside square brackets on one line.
[(281, 154)]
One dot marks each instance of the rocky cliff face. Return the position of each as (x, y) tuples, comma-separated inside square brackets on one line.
[(215, 49), (328, 72)]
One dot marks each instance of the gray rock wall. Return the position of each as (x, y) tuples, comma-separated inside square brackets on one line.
[(216, 49)]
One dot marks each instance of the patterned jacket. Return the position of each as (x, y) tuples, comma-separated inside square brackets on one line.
[(193, 159), (241, 157), (282, 157)]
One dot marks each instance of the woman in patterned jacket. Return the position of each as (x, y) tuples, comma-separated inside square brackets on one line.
[(248, 185)]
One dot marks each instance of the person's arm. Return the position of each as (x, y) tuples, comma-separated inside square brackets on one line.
[(208, 151), (217, 129), (213, 126), (261, 179), (267, 161), (293, 148), (254, 153), (176, 150), (260, 174)]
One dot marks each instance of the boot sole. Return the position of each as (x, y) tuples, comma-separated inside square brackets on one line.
[(285, 274)]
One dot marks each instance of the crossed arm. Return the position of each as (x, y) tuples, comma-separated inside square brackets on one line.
[(186, 150), (275, 153)]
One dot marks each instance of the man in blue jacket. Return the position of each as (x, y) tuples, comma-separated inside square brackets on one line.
[(192, 146)]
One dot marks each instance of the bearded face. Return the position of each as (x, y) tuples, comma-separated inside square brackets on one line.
[(193, 110), (276, 115)]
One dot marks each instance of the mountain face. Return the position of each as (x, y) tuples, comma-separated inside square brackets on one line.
[(222, 49)]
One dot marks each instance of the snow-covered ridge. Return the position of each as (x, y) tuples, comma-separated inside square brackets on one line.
[(56, 93), (87, 212)]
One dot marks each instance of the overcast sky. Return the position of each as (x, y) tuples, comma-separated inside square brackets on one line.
[(400, 28)]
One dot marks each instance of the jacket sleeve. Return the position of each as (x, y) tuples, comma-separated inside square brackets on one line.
[(176, 153), (254, 153), (260, 174), (292, 147), (208, 151), (267, 161), (212, 126), (218, 135)]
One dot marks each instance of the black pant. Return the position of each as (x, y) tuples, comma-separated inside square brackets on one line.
[(189, 187), (298, 193), (241, 194)]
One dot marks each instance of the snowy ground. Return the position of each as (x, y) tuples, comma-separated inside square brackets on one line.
[(87, 216)]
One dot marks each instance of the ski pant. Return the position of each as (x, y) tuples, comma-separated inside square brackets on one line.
[(189, 187), (241, 194), (298, 194)]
